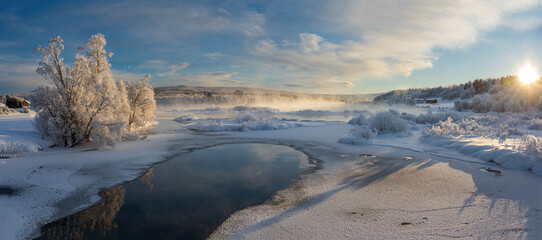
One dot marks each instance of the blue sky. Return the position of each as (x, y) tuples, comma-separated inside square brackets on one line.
[(346, 46)]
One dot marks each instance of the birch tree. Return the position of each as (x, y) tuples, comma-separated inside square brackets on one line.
[(83, 103), (142, 104)]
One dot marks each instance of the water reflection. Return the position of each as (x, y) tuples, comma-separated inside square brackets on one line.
[(146, 178), (97, 219), (187, 197)]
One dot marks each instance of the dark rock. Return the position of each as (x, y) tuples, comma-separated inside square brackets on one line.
[(16, 102)]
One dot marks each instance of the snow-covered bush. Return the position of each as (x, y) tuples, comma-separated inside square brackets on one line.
[(430, 117), (359, 120), (389, 122), (363, 131), (532, 144), (446, 128), (487, 126), (84, 103), (141, 104), (4, 110), (247, 118), (368, 127), (462, 105), (535, 125), (10, 147)]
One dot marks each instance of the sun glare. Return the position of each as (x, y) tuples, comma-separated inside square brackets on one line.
[(527, 74)]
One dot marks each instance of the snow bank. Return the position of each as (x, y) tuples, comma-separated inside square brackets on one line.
[(499, 138), (515, 157), (245, 123)]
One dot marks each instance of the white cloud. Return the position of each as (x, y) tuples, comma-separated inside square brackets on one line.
[(155, 64), (7, 44), (168, 75), (163, 67), (387, 38), (179, 66), (18, 74), (213, 56), (173, 20), (206, 79), (252, 24), (524, 23), (127, 76), (310, 42)]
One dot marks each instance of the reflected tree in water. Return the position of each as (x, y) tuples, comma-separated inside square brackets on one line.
[(98, 218), (146, 178)]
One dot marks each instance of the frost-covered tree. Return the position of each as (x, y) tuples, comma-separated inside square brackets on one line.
[(142, 104), (84, 103)]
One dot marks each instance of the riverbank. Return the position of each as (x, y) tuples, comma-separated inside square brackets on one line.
[(435, 194)]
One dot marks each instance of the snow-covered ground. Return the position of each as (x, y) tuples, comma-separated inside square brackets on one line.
[(410, 190), (18, 135), (57, 182), (428, 182)]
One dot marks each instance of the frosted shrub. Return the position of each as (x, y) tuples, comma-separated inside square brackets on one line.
[(388, 122), (446, 128), (141, 104), (84, 103), (4, 110), (12, 147), (487, 126), (535, 125), (246, 118), (359, 120), (363, 132), (462, 105), (532, 145), (430, 117)]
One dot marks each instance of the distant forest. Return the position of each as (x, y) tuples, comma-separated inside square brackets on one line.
[(504, 94)]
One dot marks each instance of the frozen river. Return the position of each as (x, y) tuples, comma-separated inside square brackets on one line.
[(188, 196)]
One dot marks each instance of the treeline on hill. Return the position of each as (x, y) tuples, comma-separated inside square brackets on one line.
[(504, 94), (244, 96), (462, 91)]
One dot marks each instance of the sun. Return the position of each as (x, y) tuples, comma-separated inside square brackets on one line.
[(527, 74)]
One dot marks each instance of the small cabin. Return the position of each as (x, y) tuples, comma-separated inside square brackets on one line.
[(431, 101), (419, 100)]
